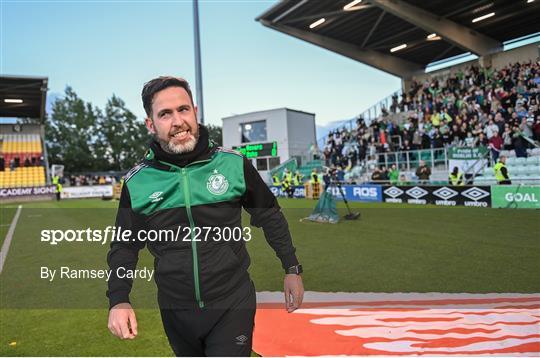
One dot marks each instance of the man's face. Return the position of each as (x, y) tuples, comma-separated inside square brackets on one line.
[(174, 120)]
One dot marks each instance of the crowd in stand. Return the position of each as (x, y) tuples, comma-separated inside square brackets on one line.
[(84, 180), (16, 162), (470, 108)]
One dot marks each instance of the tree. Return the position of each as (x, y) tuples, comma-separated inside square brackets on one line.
[(215, 134), (121, 138), (70, 131)]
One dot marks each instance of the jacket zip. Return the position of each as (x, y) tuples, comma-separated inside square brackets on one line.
[(196, 277), (193, 242)]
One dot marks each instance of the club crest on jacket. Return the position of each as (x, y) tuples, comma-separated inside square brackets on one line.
[(217, 184)]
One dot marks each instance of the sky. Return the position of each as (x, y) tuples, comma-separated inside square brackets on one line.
[(101, 48)]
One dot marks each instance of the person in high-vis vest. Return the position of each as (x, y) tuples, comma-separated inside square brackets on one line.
[(275, 180), (287, 183), (298, 178), (315, 183), (314, 177), (58, 186), (501, 172), (287, 176), (456, 178), (287, 187)]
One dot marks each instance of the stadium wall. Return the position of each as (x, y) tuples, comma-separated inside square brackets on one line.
[(22, 129)]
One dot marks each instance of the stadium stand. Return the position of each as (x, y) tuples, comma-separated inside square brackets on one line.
[(23, 157), (22, 160), (458, 106), (497, 109)]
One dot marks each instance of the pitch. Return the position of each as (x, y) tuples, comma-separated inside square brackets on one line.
[(393, 248)]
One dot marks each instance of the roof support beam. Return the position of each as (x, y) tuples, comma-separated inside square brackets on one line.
[(387, 63), (366, 39), (459, 35), (325, 14)]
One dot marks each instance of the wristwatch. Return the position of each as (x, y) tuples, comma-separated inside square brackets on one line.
[(294, 270)]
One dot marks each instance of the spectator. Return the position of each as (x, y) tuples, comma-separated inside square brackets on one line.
[(536, 129), (376, 176), (519, 143), (443, 111), (423, 172), (384, 175), (491, 129), (393, 175), (403, 180), (495, 145)]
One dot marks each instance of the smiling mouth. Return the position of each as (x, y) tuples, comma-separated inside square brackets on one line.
[(181, 135)]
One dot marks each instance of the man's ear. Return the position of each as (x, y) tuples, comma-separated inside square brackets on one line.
[(196, 110), (149, 125)]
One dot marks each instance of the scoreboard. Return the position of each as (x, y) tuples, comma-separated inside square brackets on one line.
[(258, 150)]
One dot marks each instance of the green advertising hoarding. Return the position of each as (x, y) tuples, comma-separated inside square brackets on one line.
[(466, 153), (515, 196)]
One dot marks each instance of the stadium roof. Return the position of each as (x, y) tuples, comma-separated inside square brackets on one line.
[(23, 97), (374, 31)]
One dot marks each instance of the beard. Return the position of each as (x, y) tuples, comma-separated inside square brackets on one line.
[(171, 147)]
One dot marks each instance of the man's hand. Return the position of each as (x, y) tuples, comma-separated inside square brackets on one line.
[(122, 321), (294, 291)]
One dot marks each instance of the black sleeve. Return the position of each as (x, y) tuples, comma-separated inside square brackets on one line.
[(265, 213), (123, 253), (504, 172)]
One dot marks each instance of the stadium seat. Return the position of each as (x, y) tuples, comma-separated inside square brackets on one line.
[(534, 160), (22, 177), (508, 153)]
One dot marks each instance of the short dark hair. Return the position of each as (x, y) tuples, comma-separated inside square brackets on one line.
[(159, 84)]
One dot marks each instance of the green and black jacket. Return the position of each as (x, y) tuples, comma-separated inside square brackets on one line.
[(206, 188)]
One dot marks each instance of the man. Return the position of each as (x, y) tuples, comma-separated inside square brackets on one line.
[(456, 177), (384, 175), (57, 187), (298, 178), (205, 294), (314, 177), (495, 144), (275, 180), (376, 176), (287, 176), (393, 175), (315, 183), (501, 172), (286, 184), (423, 173)]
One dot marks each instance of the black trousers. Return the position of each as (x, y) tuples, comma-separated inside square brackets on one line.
[(220, 329)]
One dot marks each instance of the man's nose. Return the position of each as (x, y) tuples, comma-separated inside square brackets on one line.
[(177, 120)]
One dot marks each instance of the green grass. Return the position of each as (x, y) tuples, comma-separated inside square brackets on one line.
[(6, 216), (392, 248)]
